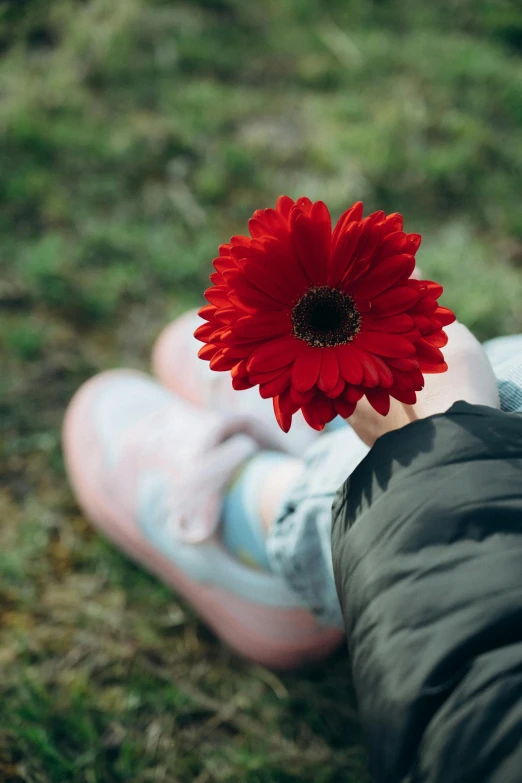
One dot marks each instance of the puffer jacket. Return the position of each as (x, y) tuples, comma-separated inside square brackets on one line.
[(427, 554)]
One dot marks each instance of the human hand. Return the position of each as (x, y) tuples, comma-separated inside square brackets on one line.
[(469, 377)]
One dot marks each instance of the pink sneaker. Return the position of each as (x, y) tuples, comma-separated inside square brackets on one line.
[(149, 470), (175, 363)]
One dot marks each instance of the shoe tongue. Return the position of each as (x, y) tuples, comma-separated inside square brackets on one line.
[(197, 453), (195, 503)]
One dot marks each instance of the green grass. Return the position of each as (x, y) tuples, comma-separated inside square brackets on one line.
[(136, 136)]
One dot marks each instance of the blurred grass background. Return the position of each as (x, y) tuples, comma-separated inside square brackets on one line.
[(135, 137)]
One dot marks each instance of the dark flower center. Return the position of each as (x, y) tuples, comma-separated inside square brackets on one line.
[(325, 317)]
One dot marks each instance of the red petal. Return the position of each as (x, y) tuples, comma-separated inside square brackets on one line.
[(318, 412), (337, 390), (222, 264), (413, 335), (251, 298), (353, 393), (207, 352), (264, 278), (312, 244), (222, 362), (385, 374), (280, 260), (239, 369), (300, 398), (404, 395), (329, 372), (284, 205), (240, 379), (371, 377), (325, 408), (217, 296), (312, 417), (275, 354), (264, 271), (257, 378), (236, 350), (305, 370), (379, 400), (260, 326), (241, 383), (382, 276), (369, 366), (218, 333), (385, 344), (438, 339), (239, 239), (393, 244), (217, 279), (394, 323), (207, 312), (415, 240), (392, 223), (426, 306), (242, 346), (445, 315), (240, 251), (404, 364), (434, 290), (228, 315), (364, 254), (283, 411), (304, 204), (354, 214), (267, 222), (412, 380), (342, 252), (231, 276), (428, 353), (205, 332), (276, 386), (350, 366), (321, 217), (397, 300), (344, 408), (432, 369), (423, 323)]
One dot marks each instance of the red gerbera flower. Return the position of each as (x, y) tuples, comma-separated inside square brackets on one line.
[(319, 318)]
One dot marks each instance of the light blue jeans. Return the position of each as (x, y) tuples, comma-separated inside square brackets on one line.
[(299, 542)]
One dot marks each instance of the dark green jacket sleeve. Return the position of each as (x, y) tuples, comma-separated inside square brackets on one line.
[(427, 554)]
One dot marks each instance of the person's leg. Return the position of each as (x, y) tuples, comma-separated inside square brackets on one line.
[(250, 501), (299, 538), (505, 354), (277, 516), (499, 349), (276, 487), (151, 471)]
